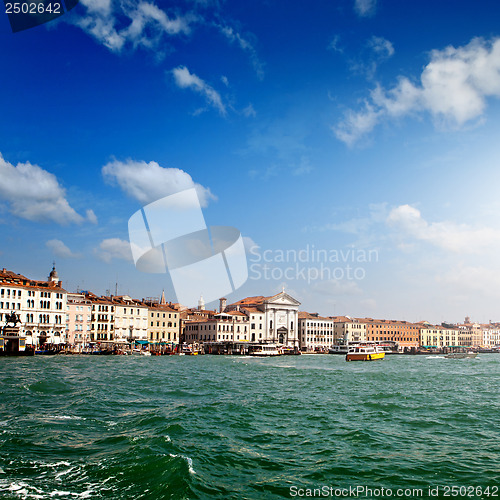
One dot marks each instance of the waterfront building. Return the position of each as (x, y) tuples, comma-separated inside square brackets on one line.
[(465, 336), (491, 334), (403, 333), (439, 336), (78, 320), (163, 322), (41, 306), (316, 332), (130, 322), (475, 332), (429, 335), (102, 318), (279, 314), (188, 316), (347, 329), (230, 326), (257, 320)]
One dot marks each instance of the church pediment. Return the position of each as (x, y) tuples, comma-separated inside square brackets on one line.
[(283, 299)]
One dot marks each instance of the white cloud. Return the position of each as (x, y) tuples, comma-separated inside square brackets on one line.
[(453, 88), (457, 238), (265, 173), (375, 51), (479, 279), (249, 111), (35, 194), (147, 182), (59, 249), (91, 216), (335, 45), (365, 8), (378, 213), (186, 80), (355, 125), (304, 167), (114, 248), (235, 37), (139, 24), (382, 47)]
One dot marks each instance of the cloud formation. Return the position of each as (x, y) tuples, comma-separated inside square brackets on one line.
[(380, 46), (135, 24), (91, 216), (147, 182), (365, 8), (59, 249), (187, 80), (453, 89), (234, 37), (249, 111), (114, 248), (34, 194), (457, 238)]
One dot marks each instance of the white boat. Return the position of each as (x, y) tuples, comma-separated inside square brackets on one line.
[(338, 349), (460, 355), (140, 352), (263, 350)]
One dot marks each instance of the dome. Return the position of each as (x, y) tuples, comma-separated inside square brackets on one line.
[(53, 276)]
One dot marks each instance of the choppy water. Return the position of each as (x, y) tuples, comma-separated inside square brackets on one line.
[(238, 427)]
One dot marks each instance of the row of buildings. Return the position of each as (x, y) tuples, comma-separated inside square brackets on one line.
[(51, 315)]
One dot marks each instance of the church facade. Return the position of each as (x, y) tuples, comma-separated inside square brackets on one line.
[(272, 319)]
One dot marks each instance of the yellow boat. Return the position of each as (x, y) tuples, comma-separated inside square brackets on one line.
[(364, 353)]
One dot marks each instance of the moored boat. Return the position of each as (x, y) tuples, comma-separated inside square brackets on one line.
[(338, 349), (461, 355), (364, 353), (290, 351), (263, 350)]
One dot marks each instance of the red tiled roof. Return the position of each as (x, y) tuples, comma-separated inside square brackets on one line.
[(307, 315), (259, 299), (18, 280)]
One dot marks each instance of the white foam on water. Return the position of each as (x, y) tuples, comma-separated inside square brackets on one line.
[(86, 494), (188, 460), (64, 472), (83, 494), (22, 490), (55, 464), (65, 417), (167, 438), (57, 493)]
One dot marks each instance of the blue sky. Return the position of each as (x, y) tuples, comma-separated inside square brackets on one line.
[(345, 126)]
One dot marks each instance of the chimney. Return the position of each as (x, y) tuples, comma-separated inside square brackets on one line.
[(222, 306)]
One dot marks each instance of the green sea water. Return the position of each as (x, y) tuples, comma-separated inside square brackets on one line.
[(192, 427)]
